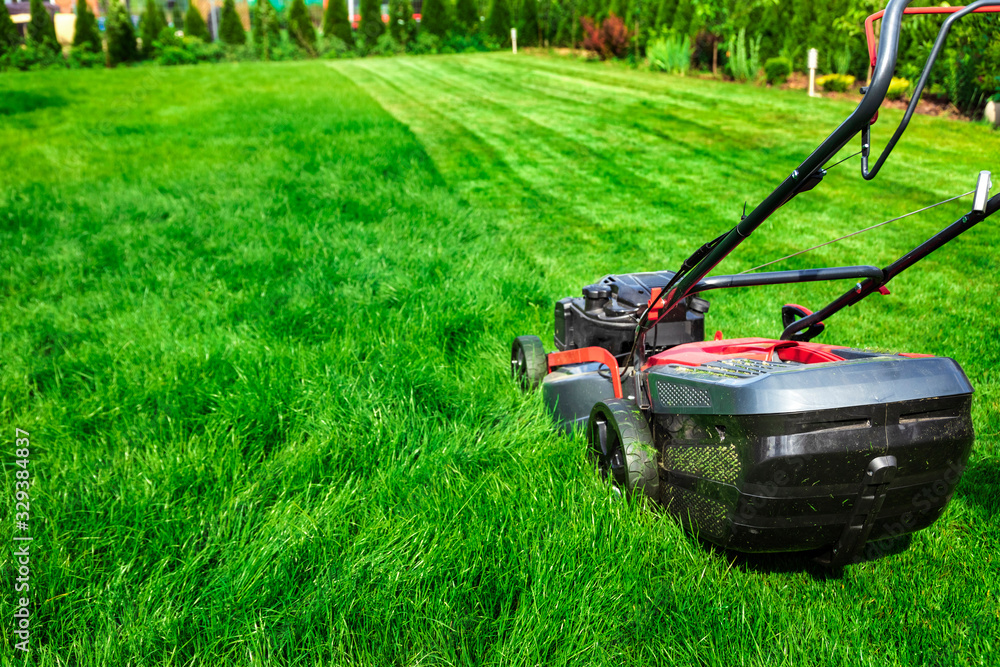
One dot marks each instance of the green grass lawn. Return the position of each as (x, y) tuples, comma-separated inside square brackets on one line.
[(256, 320)]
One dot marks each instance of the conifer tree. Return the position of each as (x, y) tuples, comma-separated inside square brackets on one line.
[(565, 23), (527, 29), (683, 15), (371, 26), (266, 30), (121, 35), (664, 14), (152, 23), (177, 17), (821, 34), (231, 30), (85, 33), (466, 15), (434, 17), (336, 23), (498, 24), (402, 26), (300, 27), (41, 29), (545, 22), (10, 36), (397, 29), (194, 24), (797, 32)]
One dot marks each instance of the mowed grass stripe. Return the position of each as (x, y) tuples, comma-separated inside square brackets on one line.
[(687, 184), (563, 151), (534, 160)]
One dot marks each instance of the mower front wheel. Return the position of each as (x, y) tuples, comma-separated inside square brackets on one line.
[(528, 364), (621, 442)]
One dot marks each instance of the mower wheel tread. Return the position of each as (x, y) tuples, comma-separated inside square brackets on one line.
[(528, 363), (627, 429)]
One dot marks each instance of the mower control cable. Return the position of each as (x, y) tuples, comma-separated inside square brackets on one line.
[(860, 231), (841, 161), (643, 320)]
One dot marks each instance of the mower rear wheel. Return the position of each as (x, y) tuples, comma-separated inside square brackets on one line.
[(621, 442), (528, 364)]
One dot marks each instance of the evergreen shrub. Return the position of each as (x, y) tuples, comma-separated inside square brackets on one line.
[(231, 30), (300, 27), (194, 24), (336, 23), (776, 70), (898, 87), (86, 36), (120, 34)]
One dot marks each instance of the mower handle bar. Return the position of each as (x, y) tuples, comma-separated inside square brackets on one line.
[(870, 22), (859, 118), (873, 284), (801, 178), (956, 13), (788, 277)]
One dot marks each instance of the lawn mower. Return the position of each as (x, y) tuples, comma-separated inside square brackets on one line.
[(768, 445)]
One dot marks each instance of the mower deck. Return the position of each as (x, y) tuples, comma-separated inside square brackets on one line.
[(767, 445)]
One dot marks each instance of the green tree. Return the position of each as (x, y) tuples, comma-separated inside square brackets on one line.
[(566, 19), (402, 26), (121, 35), (683, 17), (153, 21), (527, 28), (466, 15), (231, 30), (266, 29), (597, 10), (335, 22), (434, 17), (715, 19), (664, 14), (769, 22), (618, 7), (177, 17), (194, 24), (41, 30), (85, 33), (371, 26), (10, 36), (300, 27), (499, 22), (547, 17), (796, 42)]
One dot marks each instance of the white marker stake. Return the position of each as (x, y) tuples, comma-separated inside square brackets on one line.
[(813, 61), (513, 39)]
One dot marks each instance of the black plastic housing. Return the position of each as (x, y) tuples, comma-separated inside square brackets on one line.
[(607, 313), (767, 456)]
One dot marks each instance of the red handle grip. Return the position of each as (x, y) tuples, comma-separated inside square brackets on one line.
[(870, 22)]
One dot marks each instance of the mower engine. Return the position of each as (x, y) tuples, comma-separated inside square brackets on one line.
[(606, 314)]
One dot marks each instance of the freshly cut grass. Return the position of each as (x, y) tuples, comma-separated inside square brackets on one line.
[(256, 321)]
